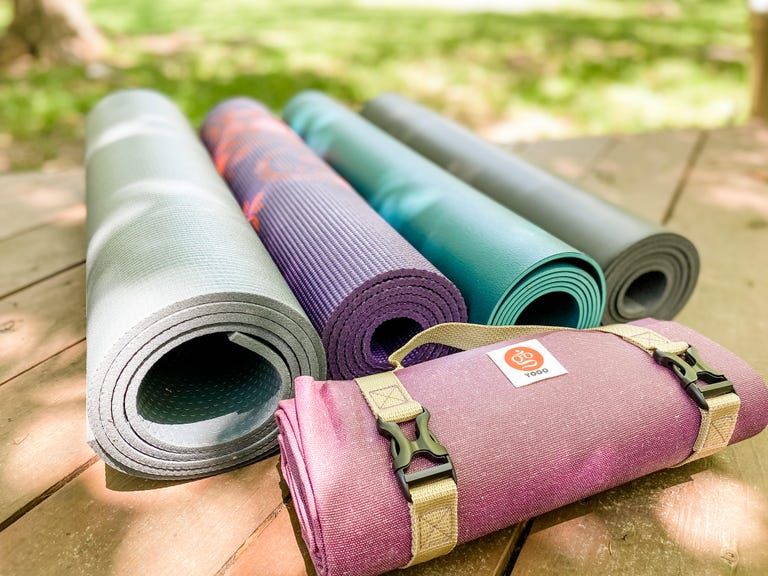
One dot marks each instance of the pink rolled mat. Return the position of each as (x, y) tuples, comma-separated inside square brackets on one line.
[(517, 452)]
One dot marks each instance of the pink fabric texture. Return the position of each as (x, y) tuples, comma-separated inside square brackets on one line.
[(518, 452)]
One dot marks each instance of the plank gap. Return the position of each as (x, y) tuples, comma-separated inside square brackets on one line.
[(43, 279), (48, 493), (42, 361), (690, 164), (247, 542), (517, 547), (34, 227), (605, 149)]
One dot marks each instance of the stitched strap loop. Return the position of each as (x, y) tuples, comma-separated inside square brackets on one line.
[(433, 501)]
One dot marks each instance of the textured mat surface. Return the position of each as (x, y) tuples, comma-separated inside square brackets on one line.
[(508, 270), (649, 271), (193, 335), (366, 290), (517, 452)]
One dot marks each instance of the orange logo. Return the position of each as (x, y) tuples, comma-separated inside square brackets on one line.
[(524, 359)]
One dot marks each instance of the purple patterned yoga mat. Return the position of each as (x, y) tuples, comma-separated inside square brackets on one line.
[(365, 289)]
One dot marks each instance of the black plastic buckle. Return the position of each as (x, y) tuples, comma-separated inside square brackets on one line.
[(689, 368), (403, 450)]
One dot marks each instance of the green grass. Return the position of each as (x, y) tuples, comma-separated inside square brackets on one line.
[(597, 67)]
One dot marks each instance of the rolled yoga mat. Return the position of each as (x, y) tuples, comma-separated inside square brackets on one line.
[(517, 452), (509, 270), (193, 335), (365, 289), (649, 271)]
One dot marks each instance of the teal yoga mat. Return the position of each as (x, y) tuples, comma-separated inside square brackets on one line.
[(509, 270)]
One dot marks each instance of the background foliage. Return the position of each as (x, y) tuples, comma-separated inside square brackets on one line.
[(545, 69)]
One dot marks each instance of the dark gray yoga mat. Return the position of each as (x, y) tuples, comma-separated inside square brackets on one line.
[(649, 271), (193, 334)]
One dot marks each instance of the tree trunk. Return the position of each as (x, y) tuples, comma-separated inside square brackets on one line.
[(51, 30), (759, 71)]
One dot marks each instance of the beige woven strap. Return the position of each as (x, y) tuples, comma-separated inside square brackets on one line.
[(434, 520), (644, 338), (467, 336), (464, 337), (717, 426), (717, 423), (388, 398), (434, 508)]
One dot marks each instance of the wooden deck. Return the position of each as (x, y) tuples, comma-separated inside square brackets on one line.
[(62, 512)]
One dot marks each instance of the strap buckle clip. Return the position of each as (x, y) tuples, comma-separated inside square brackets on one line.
[(403, 450), (689, 368)]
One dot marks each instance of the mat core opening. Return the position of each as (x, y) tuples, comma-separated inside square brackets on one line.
[(391, 335), (206, 391), (553, 309), (644, 293)]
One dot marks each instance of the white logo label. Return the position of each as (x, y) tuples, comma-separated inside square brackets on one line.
[(526, 363)]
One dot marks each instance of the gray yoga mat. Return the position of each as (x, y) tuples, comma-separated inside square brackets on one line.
[(193, 334), (649, 271)]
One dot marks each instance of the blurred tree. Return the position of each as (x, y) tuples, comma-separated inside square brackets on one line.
[(51, 30), (759, 20)]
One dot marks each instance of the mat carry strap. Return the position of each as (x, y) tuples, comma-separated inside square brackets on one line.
[(715, 398), (432, 493), (712, 392)]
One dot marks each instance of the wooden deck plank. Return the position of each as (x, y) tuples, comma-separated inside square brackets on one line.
[(104, 522), (639, 171), (710, 517), (705, 518), (724, 210), (570, 159), (642, 172), (41, 321), (29, 200), (279, 550), (275, 553), (42, 436), (41, 251)]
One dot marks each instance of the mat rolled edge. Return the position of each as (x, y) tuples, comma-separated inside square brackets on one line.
[(193, 335), (655, 277)]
